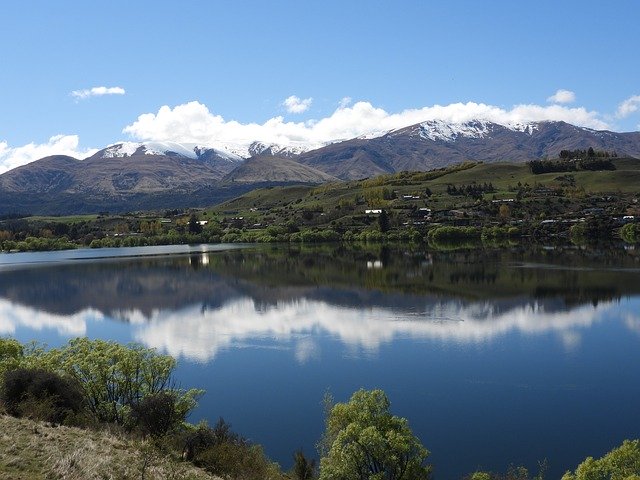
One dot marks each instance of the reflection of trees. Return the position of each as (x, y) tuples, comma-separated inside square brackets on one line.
[(403, 279)]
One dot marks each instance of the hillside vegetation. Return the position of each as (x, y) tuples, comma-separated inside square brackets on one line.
[(31, 450), (468, 201)]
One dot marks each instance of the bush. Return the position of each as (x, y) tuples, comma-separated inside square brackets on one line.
[(630, 233), (156, 414), (453, 233), (222, 452), (303, 468), (41, 395)]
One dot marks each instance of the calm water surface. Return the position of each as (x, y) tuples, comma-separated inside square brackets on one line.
[(494, 356)]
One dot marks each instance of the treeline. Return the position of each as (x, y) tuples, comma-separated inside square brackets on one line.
[(474, 190), (584, 154), (570, 165)]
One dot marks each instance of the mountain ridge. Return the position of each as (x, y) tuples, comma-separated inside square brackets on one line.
[(130, 176)]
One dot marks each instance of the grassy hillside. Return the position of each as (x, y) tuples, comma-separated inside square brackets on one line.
[(625, 179), (535, 197), (34, 450)]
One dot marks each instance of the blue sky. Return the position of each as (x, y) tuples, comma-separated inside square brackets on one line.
[(234, 63)]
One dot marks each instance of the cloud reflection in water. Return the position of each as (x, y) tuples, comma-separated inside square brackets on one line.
[(199, 334)]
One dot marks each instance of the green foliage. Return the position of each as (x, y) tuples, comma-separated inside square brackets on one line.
[(443, 234), (630, 233), (303, 468), (573, 162), (594, 228), (622, 463), (513, 473), (114, 377), (11, 354), (366, 442), (222, 452), (499, 233), (383, 221)]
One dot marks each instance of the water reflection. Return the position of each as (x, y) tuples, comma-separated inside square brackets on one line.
[(198, 305), (512, 344), (198, 335)]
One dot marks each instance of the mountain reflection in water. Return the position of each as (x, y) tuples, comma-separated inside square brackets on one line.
[(507, 342)]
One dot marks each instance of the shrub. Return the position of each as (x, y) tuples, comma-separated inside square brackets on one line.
[(41, 395), (303, 468), (156, 414), (630, 233), (222, 452)]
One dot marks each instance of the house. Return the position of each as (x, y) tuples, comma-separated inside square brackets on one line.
[(373, 212)]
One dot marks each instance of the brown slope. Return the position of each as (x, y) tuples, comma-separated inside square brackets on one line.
[(48, 175), (276, 169)]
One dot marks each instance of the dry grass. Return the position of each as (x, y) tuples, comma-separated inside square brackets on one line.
[(33, 450)]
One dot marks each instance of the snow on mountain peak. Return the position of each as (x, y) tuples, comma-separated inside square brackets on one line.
[(260, 148), (123, 149), (187, 150), (450, 131)]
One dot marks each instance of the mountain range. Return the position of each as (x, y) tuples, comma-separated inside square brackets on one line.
[(131, 176)]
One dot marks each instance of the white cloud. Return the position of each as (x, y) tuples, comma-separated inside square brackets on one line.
[(193, 122), (345, 102), (295, 104), (97, 92), (629, 106), (562, 96), (12, 157)]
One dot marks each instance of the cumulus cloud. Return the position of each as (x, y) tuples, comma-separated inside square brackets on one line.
[(345, 102), (295, 104), (193, 122), (97, 92), (12, 157), (562, 96), (629, 106)]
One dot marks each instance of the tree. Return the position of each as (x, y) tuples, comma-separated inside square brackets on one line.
[(113, 377), (364, 441), (156, 414), (620, 463), (383, 221), (194, 225), (504, 211), (303, 468)]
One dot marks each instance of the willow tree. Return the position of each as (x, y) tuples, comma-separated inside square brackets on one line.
[(364, 441)]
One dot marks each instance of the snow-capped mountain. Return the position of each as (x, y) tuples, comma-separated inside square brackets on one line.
[(129, 176), (276, 150), (436, 143), (221, 150), (186, 150)]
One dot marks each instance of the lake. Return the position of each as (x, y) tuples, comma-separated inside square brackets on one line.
[(496, 356)]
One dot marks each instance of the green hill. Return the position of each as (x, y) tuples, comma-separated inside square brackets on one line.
[(405, 191)]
